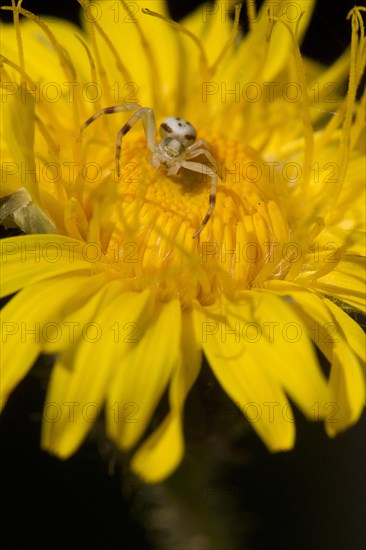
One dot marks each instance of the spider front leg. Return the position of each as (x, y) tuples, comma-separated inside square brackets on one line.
[(203, 168), (111, 111), (148, 121), (194, 152)]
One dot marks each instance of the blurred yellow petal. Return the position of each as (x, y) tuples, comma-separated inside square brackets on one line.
[(85, 383), (162, 452), (25, 321), (343, 343), (254, 356), (145, 372), (39, 257)]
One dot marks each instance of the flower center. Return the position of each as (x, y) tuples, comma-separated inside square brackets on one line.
[(152, 219)]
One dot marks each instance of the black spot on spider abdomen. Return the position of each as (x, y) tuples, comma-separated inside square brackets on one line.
[(167, 128)]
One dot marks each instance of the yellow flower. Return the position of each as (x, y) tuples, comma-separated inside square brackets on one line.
[(110, 279)]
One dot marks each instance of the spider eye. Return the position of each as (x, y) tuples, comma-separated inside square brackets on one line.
[(178, 128)]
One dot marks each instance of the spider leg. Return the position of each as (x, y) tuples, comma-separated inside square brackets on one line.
[(149, 124), (203, 168), (173, 170), (148, 121), (110, 111), (199, 143), (197, 152)]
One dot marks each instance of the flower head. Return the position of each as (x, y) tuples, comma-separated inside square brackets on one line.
[(110, 279)]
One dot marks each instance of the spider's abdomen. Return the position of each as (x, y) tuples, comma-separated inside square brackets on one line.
[(175, 127)]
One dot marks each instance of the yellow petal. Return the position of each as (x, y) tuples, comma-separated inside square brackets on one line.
[(266, 354), (84, 385), (25, 319), (160, 454), (31, 258), (350, 330), (342, 342), (148, 57), (144, 373), (243, 375), (18, 112), (349, 389), (295, 14), (346, 282)]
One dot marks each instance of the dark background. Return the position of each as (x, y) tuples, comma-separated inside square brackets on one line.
[(310, 499)]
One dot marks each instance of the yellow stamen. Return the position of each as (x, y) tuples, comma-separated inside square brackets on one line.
[(229, 42), (306, 116), (187, 32), (154, 69)]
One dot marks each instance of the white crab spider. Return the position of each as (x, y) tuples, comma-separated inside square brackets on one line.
[(174, 151)]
